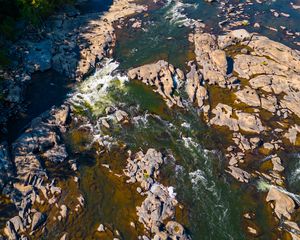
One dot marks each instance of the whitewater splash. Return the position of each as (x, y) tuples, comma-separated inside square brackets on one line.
[(176, 13), (91, 95)]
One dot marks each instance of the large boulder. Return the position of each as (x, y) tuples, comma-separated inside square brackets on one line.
[(284, 205)]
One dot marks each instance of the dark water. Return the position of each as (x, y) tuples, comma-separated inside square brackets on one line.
[(48, 88), (45, 90), (94, 6)]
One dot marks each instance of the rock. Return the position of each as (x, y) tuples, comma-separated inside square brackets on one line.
[(64, 237), (17, 223), (284, 205), (223, 117), (120, 115), (256, 25), (249, 122), (193, 87), (269, 103), (5, 165), (159, 74), (292, 134), (175, 229), (39, 56), (62, 114), (101, 228), (211, 59), (105, 123), (37, 220), (63, 211), (143, 168), (277, 166), (233, 37), (248, 96), (252, 230), (294, 229), (248, 66), (239, 174), (160, 202), (10, 231), (14, 94)]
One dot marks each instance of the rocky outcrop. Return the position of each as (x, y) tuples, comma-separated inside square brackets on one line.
[(211, 58), (284, 205), (163, 76), (42, 141), (194, 86), (224, 116), (39, 55), (158, 208), (96, 39), (31, 186)]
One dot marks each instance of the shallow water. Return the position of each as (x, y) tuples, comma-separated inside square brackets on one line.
[(214, 205), (163, 35)]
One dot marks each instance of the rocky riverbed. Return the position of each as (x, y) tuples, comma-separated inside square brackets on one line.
[(203, 156)]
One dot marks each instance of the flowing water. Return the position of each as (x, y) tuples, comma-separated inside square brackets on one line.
[(214, 206)]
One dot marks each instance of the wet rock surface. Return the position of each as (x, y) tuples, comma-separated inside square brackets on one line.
[(159, 205), (267, 79)]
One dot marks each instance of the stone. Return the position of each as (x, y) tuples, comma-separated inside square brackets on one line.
[(212, 60), (249, 122), (10, 231), (37, 220), (233, 37), (248, 96), (239, 174), (175, 229), (159, 75), (101, 228), (17, 223), (120, 115), (292, 133), (224, 117), (64, 237), (63, 211), (5, 165), (284, 205)]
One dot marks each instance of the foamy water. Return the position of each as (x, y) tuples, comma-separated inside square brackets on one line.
[(176, 13), (92, 93)]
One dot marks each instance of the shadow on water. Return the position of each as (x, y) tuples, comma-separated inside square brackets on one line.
[(49, 88), (94, 6), (46, 89)]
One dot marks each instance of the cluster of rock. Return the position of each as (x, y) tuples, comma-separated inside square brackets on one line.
[(164, 76), (268, 80), (157, 211), (236, 15), (70, 43), (265, 79), (25, 179)]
